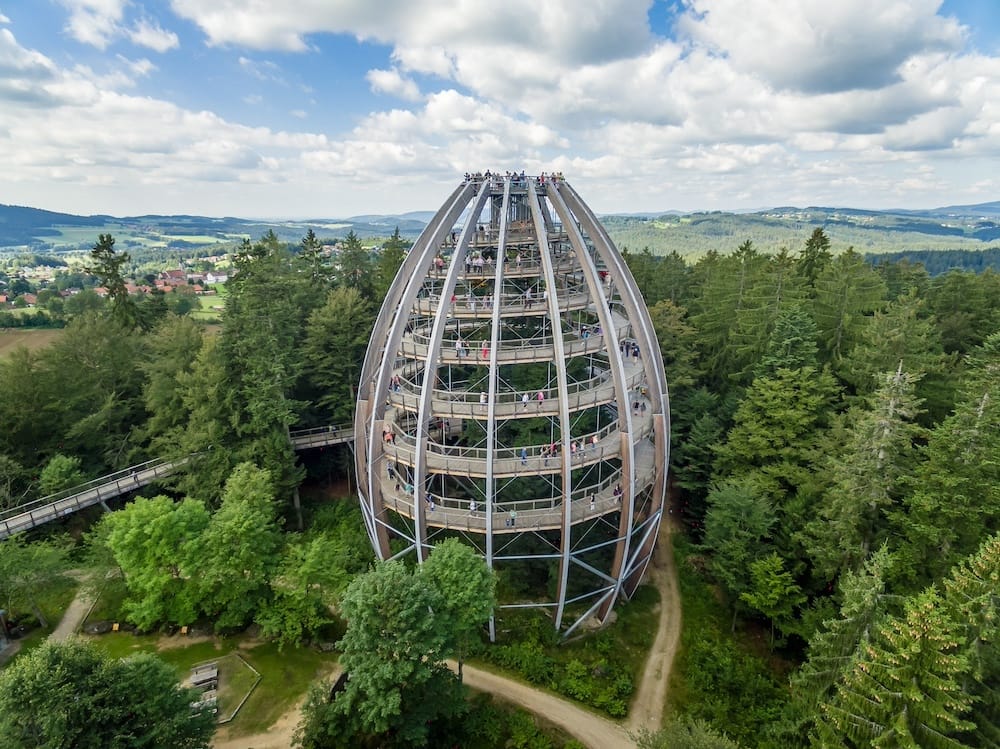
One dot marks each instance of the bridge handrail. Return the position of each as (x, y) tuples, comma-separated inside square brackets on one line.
[(131, 472), (110, 478), (328, 429)]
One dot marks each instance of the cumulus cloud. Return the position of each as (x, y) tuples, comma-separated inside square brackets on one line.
[(393, 83), (791, 98), (94, 22), (150, 34), (817, 46)]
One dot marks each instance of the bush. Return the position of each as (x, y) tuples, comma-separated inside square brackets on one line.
[(715, 679), (598, 670)]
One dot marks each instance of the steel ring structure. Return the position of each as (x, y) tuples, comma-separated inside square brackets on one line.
[(513, 394)]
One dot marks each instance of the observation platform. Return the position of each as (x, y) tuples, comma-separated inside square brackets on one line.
[(532, 514)]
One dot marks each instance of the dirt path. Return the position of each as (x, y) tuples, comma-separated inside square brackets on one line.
[(647, 705), (592, 730), (75, 614)]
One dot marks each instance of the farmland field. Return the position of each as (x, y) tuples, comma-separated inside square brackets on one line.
[(11, 338)]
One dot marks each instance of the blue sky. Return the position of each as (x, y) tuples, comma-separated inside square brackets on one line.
[(307, 108)]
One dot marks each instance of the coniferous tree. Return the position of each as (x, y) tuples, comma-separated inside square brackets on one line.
[(775, 290), (390, 258), (905, 688), (109, 265), (972, 600), (902, 334), (847, 290), (815, 257), (955, 495), (333, 351), (866, 480), (354, 266), (864, 604)]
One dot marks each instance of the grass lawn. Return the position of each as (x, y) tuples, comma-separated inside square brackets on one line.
[(236, 680), (285, 675), (108, 606), (285, 678), (205, 310)]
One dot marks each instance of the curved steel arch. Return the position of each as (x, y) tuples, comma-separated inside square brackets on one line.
[(520, 323)]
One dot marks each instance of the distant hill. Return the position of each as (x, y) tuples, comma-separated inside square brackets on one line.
[(691, 235), (959, 227), (20, 224), (39, 230)]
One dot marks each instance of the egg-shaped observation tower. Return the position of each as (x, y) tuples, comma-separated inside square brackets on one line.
[(513, 395)]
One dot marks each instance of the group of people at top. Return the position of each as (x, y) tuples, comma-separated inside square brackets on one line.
[(517, 177)]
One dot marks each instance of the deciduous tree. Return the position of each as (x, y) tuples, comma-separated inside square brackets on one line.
[(467, 587), (71, 695), (154, 542)]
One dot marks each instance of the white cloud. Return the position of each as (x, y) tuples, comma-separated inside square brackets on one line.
[(147, 33), (299, 113), (263, 70), (139, 68), (94, 22), (753, 102), (393, 83), (4, 19), (818, 45)]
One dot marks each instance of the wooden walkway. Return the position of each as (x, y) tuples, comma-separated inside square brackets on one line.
[(55, 506)]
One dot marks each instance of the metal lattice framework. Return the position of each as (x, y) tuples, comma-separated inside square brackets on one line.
[(513, 394)]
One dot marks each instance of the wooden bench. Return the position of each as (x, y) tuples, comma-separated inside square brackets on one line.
[(205, 677)]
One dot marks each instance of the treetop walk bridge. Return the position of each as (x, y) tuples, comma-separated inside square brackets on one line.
[(97, 491)]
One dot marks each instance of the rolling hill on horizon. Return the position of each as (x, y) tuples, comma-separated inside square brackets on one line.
[(958, 227)]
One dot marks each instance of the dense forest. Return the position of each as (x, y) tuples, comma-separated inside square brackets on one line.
[(835, 433)]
